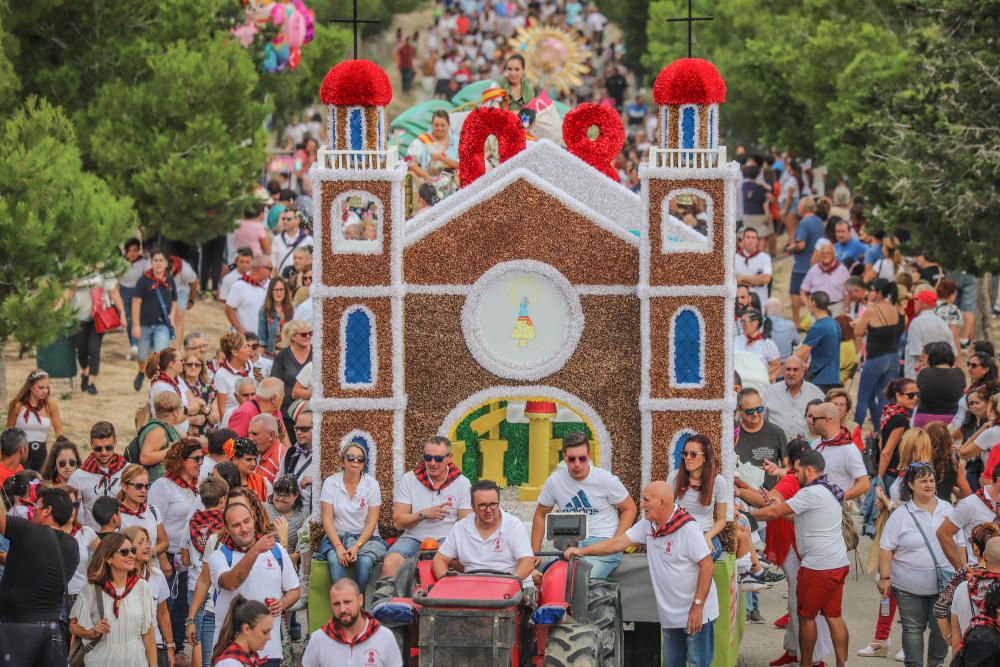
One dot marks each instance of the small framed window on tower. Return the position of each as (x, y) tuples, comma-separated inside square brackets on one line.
[(357, 223)]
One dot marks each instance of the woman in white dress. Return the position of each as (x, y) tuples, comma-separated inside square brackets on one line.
[(36, 412), (246, 630), (124, 631)]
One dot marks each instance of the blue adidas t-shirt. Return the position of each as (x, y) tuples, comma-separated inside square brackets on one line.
[(823, 338), (810, 230), (596, 496)]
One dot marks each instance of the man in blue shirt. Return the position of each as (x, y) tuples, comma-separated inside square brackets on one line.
[(848, 248), (809, 231), (822, 344)]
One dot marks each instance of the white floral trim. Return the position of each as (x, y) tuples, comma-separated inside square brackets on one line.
[(394, 175), (672, 335), (331, 127), (342, 246), (314, 465), (728, 291), (669, 223), (380, 119), (372, 348), (359, 292), (713, 125), (727, 172), (504, 367), (605, 290), (357, 404), (444, 290), (605, 447), (646, 445), (687, 404)]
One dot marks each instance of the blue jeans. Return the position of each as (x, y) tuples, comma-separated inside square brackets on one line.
[(178, 602), (680, 648), (602, 566), (875, 377), (154, 338), (372, 552), (915, 613), (204, 623)]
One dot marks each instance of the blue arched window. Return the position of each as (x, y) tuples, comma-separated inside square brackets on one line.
[(689, 128), (688, 349), (357, 340), (356, 129)]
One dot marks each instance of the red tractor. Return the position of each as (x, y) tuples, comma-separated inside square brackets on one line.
[(487, 619)]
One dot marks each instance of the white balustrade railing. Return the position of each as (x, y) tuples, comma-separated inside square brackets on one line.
[(331, 159), (687, 158)]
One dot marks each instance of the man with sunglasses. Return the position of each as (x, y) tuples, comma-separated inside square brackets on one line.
[(99, 475), (427, 502), (581, 487), (290, 236), (759, 440), (489, 539), (40, 562), (844, 465)]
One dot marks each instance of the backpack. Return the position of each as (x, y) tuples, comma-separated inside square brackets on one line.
[(980, 648), (134, 448)]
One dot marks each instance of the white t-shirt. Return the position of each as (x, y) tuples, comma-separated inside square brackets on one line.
[(703, 514), (283, 247), (379, 650), (304, 311), (225, 383), (961, 606), (411, 492), (969, 513), (91, 486), (84, 537), (160, 591), (350, 514), (176, 504), (247, 300), (160, 387), (227, 282), (987, 440), (267, 579), (151, 520), (912, 566), (207, 466), (844, 464), (673, 567), (596, 495), (757, 265), (499, 552), (210, 547), (818, 535), (764, 349)]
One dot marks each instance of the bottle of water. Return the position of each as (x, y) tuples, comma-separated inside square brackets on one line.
[(883, 609)]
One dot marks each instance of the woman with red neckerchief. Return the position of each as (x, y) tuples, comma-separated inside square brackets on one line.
[(174, 495), (153, 306), (135, 510), (164, 370), (36, 412), (236, 365), (124, 631), (246, 631)]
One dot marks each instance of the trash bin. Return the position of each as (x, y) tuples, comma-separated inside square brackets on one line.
[(58, 359)]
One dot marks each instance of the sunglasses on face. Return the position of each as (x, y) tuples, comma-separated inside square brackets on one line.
[(139, 486), (303, 429), (582, 458), (196, 459), (250, 395), (255, 346), (814, 418), (911, 394), (105, 448), (305, 334), (357, 458), (69, 463), (127, 551), (192, 364), (437, 458), (749, 412), (689, 454), (307, 279), (283, 495)]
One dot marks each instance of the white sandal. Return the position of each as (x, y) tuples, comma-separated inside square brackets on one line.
[(876, 649)]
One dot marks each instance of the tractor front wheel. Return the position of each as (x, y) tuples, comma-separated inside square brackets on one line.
[(604, 609), (574, 645)]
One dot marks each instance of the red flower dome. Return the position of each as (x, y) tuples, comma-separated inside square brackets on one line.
[(356, 83), (689, 81)]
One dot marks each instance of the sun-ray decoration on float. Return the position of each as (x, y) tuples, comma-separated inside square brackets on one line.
[(554, 58)]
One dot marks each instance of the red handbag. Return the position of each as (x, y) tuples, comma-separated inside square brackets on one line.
[(106, 316)]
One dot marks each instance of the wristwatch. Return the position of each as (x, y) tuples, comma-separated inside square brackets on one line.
[(698, 602), (420, 515)]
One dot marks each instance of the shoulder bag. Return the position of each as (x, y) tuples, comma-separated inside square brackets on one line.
[(943, 576), (106, 317)]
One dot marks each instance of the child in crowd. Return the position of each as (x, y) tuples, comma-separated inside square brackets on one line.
[(107, 513)]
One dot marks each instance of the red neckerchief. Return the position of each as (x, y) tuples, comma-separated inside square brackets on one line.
[(890, 411), (981, 494), (833, 267), (336, 633), (76, 529), (676, 520), (163, 377), (245, 372), (841, 439), (204, 523), (746, 256), (175, 265), (109, 588), (157, 282), (247, 279), (138, 513), (981, 581), (227, 541), (116, 464), (754, 338), (421, 474), (29, 410), (183, 483), (236, 652)]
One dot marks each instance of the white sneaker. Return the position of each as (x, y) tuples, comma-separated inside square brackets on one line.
[(900, 657), (132, 353), (871, 652)]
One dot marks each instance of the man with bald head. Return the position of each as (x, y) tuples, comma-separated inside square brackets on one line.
[(681, 568), (351, 638), (787, 399), (844, 465)]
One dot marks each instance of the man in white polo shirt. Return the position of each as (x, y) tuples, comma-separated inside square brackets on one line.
[(818, 508), (581, 487), (753, 267), (427, 502), (844, 465), (256, 567), (352, 638), (980, 507), (681, 568), (100, 475), (489, 539), (247, 296)]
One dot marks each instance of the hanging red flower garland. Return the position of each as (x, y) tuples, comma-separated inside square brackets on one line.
[(598, 152), (480, 124)]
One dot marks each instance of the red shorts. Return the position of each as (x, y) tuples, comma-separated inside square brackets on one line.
[(820, 592)]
